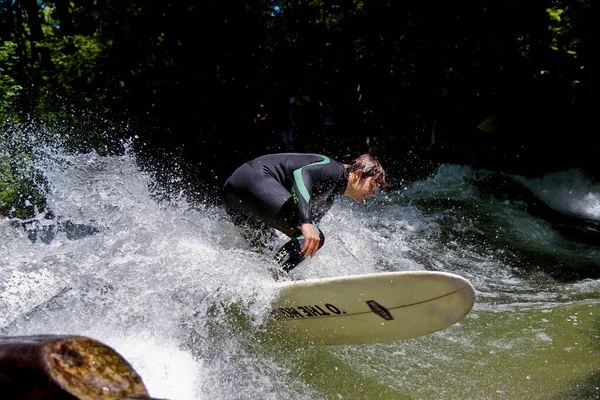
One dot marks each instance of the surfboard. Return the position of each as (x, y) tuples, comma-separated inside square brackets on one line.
[(371, 308)]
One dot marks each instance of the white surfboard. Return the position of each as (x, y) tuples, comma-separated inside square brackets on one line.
[(372, 308)]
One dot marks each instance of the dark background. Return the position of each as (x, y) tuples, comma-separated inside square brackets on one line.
[(411, 80)]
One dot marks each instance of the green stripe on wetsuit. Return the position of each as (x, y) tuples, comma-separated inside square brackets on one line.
[(300, 182), (302, 187)]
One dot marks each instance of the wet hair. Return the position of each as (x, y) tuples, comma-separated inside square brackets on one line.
[(369, 166)]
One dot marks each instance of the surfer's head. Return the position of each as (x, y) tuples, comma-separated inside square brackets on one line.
[(365, 176), (367, 166)]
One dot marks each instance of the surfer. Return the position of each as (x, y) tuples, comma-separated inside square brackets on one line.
[(291, 192)]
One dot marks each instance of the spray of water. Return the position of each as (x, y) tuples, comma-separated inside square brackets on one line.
[(172, 286)]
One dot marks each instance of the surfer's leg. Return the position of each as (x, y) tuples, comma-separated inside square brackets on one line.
[(258, 235), (250, 204), (258, 195), (290, 255)]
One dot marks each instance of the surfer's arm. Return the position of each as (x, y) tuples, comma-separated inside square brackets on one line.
[(302, 191), (303, 184), (304, 179)]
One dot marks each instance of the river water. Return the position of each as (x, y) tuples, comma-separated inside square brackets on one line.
[(171, 285)]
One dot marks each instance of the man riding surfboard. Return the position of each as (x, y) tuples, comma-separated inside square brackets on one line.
[(291, 192)]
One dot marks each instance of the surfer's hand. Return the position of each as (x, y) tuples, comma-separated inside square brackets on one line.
[(311, 240)]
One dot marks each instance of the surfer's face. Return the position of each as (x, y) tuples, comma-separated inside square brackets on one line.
[(361, 188)]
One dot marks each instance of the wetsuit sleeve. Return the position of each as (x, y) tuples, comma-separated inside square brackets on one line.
[(304, 179)]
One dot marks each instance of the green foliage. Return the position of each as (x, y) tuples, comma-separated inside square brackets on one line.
[(9, 87), (7, 187), (75, 59), (142, 60), (560, 29), (19, 196)]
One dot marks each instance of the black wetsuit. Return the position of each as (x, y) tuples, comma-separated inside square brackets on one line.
[(284, 191)]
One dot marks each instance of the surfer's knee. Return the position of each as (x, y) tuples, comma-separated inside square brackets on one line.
[(289, 255), (322, 236)]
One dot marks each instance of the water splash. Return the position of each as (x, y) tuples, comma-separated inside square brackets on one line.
[(171, 285)]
